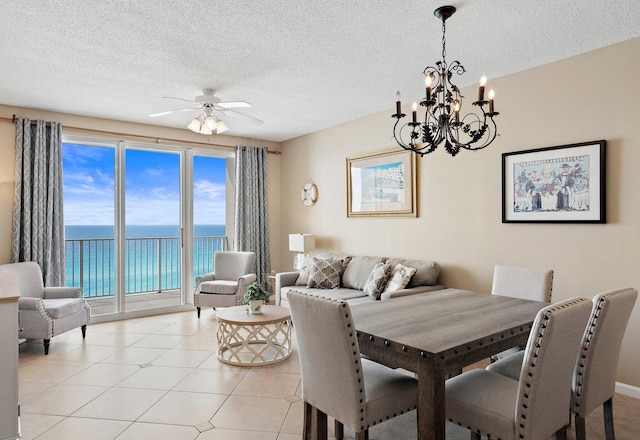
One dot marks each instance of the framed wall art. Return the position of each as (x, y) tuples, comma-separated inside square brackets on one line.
[(382, 184), (563, 184)]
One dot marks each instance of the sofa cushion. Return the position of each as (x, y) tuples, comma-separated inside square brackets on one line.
[(399, 278), (61, 307), (219, 287), (377, 280), (325, 274), (357, 272), (427, 272)]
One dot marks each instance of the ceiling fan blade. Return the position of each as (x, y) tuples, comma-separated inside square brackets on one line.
[(168, 112), (234, 104), (239, 115), (179, 99)]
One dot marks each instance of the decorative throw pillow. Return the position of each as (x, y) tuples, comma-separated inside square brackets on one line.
[(400, 277), (325, 274), (305, 271), (377, 280), (358, 270)]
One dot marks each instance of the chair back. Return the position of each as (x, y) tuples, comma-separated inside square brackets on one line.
[(595, 371), (330, 364), (29, 277), (544, 390), (523, 282), (230, 265)]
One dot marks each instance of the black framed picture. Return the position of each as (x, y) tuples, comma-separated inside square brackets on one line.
[(562, 184)]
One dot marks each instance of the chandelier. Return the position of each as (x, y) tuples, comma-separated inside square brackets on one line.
[(443, 105)]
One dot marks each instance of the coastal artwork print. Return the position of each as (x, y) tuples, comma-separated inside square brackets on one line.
[(556, 184), (381, 184)]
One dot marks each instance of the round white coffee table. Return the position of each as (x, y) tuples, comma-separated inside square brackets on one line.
[(247, 339)]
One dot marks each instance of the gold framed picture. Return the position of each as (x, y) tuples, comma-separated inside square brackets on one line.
[(382, 184)]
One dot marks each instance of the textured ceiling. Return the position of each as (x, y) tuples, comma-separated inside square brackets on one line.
[(304, 65)]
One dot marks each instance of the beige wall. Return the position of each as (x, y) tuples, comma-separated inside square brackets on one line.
[(588, 97), (7, 150)]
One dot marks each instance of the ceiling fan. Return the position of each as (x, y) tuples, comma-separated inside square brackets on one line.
[(207, 122)]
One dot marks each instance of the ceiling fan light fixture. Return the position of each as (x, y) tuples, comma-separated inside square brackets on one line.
[(198, 125), (195, 125), (221, 127), (210, 123)]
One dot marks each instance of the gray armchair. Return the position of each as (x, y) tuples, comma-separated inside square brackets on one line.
[(46, 312), (225, 287)]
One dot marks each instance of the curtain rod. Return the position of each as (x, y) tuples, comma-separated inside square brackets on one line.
[(157, 140)]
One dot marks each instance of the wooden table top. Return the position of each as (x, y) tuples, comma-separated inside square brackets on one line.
[(442, 321)]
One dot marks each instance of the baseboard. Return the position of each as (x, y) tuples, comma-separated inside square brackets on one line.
[(628, 390)]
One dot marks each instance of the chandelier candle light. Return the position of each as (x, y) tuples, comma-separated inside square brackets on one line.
[(443, 104)]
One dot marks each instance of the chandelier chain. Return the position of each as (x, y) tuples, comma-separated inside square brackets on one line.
[(444, 40)]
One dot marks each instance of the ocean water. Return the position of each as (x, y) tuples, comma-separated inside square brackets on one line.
[(73, 232), (152, 257)]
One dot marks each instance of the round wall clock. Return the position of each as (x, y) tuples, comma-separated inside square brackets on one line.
[(309, 193)]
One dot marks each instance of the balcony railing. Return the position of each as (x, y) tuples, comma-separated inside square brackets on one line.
[(152, 265)]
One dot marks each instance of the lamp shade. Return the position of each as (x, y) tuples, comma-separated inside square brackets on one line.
[(221, 127), (302, 242), (195, 125)]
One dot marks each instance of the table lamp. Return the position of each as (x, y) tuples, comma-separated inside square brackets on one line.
[(302, 243)]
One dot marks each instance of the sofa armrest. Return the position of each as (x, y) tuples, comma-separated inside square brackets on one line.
[(284, 279), (62, 292), (411, 291)]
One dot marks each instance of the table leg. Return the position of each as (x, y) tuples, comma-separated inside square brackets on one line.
[(431, 401)]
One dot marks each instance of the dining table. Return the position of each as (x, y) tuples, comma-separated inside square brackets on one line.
[(436, 334)]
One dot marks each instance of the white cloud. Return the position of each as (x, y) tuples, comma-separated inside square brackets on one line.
[(155, 172), (208, 189)]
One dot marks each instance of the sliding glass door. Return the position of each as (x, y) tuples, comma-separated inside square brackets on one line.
[(209, 211), (89, 217), (142, 222), (152, 234)]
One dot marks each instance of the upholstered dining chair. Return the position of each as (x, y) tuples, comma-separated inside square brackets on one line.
[(336, 381), (536, 405), (226, 285), (46, 312), (521, 282), (595, 370)]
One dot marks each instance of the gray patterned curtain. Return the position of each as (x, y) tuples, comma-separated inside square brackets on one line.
[(252, 223), (38, 222)]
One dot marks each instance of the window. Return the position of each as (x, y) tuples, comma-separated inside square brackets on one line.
[(141, 221)]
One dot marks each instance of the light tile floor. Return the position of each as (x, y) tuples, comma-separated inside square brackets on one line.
[(158, 378)]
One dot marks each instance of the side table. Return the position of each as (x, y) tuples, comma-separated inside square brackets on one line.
[(248, 339)]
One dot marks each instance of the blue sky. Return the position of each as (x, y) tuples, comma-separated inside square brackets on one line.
[(152, 187)]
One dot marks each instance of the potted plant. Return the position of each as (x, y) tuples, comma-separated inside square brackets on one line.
[(255, 297)]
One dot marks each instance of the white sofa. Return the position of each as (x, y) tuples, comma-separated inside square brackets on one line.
[(356, 272)]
